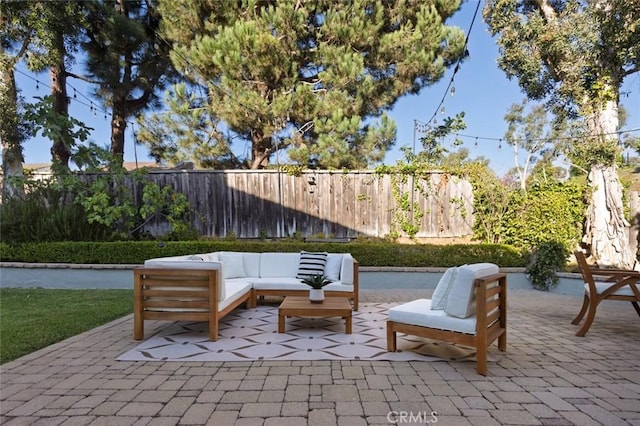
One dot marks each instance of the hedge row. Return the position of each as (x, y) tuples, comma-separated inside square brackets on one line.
[(367, 253)]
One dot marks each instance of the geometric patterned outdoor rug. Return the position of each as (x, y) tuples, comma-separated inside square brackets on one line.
[(252, 335)]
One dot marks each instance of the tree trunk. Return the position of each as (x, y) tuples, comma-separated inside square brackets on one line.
[(60, 151), (10, 137), (261, 150), (118, 127), (606, 230)]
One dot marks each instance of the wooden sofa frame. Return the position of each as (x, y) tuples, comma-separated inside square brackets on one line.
[(491, 322), (178, 295), (256, 293)]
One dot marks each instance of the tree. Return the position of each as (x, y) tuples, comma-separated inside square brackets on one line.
[(54, 41), (186, 132), (529, 131), (576, 54), (14, 42), (128, 61), (312, 78)]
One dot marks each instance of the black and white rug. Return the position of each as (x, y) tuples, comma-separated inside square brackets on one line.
[(252, 335)]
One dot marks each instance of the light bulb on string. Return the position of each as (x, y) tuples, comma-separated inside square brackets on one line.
[(476, 143), (37, 85), (453, 90), (500, 144), (442, 110)]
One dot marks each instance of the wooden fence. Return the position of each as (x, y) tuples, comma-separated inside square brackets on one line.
[(332, 204)]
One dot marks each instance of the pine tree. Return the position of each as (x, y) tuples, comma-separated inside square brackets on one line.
[(128, 61), (312, 78)]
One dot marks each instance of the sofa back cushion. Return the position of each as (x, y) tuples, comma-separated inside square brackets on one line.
[(461, 300), (232, 265), (346, 269), (332, 266), (441, 293), (252, 264), (273, 265), (190, 264)]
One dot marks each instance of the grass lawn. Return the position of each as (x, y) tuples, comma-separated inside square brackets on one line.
[(33, 318)]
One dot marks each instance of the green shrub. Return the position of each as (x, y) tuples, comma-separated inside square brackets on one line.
[(546, 261), (367, 254), (553, 211), (44, 215)]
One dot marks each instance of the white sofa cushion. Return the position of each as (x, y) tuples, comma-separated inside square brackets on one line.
[(235, 288), (337, 286), (311, 263), (601, 286), (441, 293), (252, 264), (418, 312), (333, 265), (279, 283), (232, 265), (346, 269), (190, 264), (461, 300), (274, 265)]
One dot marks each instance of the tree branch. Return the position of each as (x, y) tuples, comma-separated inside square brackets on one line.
[(81, 77)]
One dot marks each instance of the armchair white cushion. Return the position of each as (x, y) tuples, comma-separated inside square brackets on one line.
[(441, 293), (461, 300)]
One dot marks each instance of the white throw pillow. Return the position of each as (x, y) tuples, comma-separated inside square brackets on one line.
[(461, 302), (232, 265), (332, 267), (441, 293), (311, 264)]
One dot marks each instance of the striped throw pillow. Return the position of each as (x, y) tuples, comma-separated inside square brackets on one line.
[(311, 264)]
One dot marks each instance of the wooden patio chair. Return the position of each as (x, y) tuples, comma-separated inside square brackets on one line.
[(604, 284)]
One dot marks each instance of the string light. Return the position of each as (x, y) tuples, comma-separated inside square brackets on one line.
[(89, 102), (450, 87)]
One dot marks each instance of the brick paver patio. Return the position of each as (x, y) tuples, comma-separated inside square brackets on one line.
[(548, 376)]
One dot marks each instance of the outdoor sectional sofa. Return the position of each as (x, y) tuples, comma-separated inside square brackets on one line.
[(206, 287)]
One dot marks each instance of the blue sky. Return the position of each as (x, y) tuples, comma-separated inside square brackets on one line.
[(481, 90)]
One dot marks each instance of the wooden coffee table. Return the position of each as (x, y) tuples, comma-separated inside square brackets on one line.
[(301, 307)]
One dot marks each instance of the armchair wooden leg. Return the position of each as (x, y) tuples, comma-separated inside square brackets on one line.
[(583, 310), (481, 359), (391, 338), (502, 341), (591, 314)]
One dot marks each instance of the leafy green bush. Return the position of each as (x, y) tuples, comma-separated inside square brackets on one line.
[(547, 260), (367, 254), (553, 211), (45, 215)]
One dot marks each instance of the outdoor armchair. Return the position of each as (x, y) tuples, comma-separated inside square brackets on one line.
[(604, 284)]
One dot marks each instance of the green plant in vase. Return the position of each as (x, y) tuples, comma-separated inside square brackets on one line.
[(317, 283)]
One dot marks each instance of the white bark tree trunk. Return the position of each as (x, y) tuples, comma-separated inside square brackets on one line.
[(9, 131), (607, 230)]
